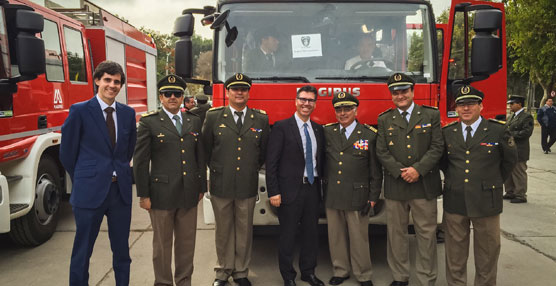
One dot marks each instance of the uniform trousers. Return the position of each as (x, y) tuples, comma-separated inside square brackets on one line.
[(348, 240), (516, 183), (87, 225), (176, 227), (424, 214), (548, 137), (233, 236), (486, 248)]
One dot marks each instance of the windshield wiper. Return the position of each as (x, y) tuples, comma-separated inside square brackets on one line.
[(361, 78), (283, 78)]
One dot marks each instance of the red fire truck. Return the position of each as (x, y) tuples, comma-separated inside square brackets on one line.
[(317, 39), (38, 84)]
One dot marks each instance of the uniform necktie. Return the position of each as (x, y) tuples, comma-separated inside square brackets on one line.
[(178, 123), (308, 155), (110, 124), (343, 134), (468, 136), (404, 116), (239, 123)]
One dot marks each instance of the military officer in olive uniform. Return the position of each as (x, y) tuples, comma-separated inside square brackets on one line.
[(478, 157), (168, 141), (202, 106), (409, 146), (235, 139), (521, 126), (354, 178)]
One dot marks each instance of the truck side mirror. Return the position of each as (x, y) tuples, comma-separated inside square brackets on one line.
[(486, 52), (183, 28), (29, 50)]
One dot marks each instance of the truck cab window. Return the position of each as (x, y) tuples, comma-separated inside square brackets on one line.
[(51, 38), (76, 55)]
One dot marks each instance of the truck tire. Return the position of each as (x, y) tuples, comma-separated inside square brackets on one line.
[(37, 226)]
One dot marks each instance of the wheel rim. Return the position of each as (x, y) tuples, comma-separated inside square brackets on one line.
[(47, 200)]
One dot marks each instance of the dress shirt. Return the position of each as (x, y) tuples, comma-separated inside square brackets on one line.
[(474, 126), (350, 128), (244, 110), (409, 111), (301, 129), (171, 115)]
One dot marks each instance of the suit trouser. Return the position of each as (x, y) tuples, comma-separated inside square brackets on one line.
[(177, 227), (517, 181), (486, 248), (233, 236), (301, 213), (87, 225), (548, 137), (348, 240), (424, 219)]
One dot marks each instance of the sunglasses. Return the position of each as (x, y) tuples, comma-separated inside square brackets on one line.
[(168, 94)]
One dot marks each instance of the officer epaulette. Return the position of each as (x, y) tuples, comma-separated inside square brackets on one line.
[(370, 128), (152, 112), (384, 112), (430, 107), (330, 124), (259, 111), (450, 124), (215, 108), (497, 121)]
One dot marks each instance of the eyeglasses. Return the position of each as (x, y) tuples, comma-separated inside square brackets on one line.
[(469, 103), (168, 94), (305, 100), (345, 109)]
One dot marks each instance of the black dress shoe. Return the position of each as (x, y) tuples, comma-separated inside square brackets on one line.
[(508, 196), (289, 282), (399, 283), (312, 280), (518, 201), (242, 281), (335, 280), (218, 282), (367, 283)]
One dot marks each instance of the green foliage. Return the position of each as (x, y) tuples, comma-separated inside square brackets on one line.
[(416, 53), (531, 36)]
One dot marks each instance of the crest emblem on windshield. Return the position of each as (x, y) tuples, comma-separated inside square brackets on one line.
[(306, 41)]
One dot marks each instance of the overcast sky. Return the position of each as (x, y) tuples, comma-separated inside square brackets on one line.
[(159, 15)]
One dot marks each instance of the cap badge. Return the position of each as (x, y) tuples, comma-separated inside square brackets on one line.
[(171, 79), (239, 76), (397, 77), (341, 95), (465, 90)]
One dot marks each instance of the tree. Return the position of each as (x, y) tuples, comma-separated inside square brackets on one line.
[(531, 35), (165, 46)]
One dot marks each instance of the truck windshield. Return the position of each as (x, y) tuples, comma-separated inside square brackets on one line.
[(326, 42)]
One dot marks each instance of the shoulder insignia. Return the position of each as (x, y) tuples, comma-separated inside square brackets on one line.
[(497, 121), (450, 124), (259, 111), (384, 112), (430, 107), (152, 112), (216, 108), (370, 128), (330, 124)]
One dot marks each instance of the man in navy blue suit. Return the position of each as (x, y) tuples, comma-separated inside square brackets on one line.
[(98, 139)]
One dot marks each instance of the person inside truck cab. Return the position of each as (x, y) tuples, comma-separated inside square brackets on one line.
[(263, 57), (367, 57)]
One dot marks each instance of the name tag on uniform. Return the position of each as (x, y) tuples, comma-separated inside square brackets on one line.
[(489, 144), (361, 145)]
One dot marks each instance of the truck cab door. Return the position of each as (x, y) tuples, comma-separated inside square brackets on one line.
[(457, 62)]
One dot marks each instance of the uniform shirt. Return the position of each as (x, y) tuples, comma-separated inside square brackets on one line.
[(244, 110), (474, 126), (350, 128), (303, 141), (409, 111), (518, 112), (171, 115)]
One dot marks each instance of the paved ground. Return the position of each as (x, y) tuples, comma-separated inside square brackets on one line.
[(528, 254)]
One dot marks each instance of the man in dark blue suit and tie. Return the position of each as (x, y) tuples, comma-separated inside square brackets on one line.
[(98, 139)]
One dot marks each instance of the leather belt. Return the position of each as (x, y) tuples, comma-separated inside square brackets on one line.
[(114, 179), (306, 180)]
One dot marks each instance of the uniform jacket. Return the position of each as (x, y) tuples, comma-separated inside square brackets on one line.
[(353, 172), (547, 116), (88, 156), (474, 176), (285, 162), (235, 156), (177, 172), (201, 110), (417, 144), (521, 128)]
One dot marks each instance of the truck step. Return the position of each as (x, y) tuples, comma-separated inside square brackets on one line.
[(17, 207), (12, 179)]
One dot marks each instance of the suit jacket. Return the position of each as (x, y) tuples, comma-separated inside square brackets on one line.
[(416, 144), (235, 156), (474, 176), (88, 156), (285, 160), (353, 172), (177, 172), (521, 128)]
